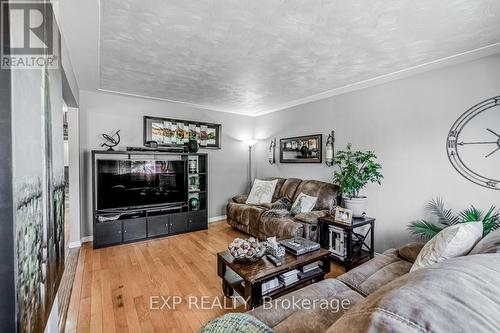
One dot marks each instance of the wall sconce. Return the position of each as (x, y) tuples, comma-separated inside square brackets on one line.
[(329, 149), (271, 153)]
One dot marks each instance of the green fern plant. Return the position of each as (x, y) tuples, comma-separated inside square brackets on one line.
[(356, 169), (445, 218)]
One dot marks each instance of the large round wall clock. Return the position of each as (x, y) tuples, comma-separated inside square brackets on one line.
[(473, 144)]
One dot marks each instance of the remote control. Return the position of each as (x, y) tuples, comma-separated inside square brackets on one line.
[(274, 260)]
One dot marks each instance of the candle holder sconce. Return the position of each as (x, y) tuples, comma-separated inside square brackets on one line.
[(330, 142), (271, 152)]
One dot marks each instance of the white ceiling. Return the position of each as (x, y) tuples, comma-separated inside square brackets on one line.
[(256, 56)]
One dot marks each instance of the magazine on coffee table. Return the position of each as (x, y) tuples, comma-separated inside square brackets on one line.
[(299, 245)]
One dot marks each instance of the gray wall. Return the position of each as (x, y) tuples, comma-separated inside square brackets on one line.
[(406, 122), (104, 113)]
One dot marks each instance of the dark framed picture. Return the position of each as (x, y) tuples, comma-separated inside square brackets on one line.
[(301, 149), (169, 132)]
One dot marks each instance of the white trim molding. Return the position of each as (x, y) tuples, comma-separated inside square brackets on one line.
[(87, 239), (217, 218), (75, 244), (407, 72)]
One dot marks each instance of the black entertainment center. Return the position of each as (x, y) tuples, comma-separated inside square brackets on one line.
[(146, 194)]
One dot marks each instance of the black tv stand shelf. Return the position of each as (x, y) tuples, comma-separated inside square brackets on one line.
[(113, 226)]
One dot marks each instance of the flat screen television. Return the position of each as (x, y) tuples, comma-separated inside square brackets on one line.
[(136, 183)]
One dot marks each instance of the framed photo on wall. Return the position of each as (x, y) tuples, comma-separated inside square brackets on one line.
[(301, 149), (169, 132)]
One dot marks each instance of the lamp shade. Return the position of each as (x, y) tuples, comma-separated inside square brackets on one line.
[(250, 142)]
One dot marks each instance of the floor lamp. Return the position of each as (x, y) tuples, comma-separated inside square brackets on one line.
[(250, 144)]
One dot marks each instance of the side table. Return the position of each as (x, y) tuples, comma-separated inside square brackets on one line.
[(346, 242)]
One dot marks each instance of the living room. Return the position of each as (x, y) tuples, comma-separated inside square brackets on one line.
[(268, 124)]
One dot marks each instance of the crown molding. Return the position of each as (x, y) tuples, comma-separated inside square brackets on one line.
[(433, 65), (193, 105)]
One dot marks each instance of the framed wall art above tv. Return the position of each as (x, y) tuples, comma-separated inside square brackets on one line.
[(169, 132), (301, 149)]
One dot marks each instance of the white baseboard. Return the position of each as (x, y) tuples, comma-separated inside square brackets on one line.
[(87, 239), (75, 244), (217, 218)]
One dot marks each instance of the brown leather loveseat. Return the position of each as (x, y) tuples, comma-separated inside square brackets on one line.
[(250, 218)]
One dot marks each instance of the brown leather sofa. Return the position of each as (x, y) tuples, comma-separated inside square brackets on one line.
[(249, 218)]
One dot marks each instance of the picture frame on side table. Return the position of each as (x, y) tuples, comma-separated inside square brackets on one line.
[(302, 149), (343, 215)]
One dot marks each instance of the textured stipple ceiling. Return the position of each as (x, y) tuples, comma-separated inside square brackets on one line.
[(252, 56)]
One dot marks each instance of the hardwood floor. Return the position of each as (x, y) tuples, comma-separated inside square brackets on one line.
[(119, 289)]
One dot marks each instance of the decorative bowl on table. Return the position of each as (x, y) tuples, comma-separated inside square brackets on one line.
[(247, 250)]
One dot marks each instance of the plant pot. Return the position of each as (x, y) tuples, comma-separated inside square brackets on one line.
[(357, 205)]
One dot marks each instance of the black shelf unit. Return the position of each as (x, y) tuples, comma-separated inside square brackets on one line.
[(197, 182), (140, 223)]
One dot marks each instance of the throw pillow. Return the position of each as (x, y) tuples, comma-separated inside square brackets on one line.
[(280, 208), (262, 192), (303, 204), (454, 241), (236, 322), (282, 203)]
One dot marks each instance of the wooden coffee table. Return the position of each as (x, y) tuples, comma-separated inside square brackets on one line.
[(246, 278)]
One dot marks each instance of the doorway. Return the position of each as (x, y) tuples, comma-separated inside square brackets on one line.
[(72, 224)]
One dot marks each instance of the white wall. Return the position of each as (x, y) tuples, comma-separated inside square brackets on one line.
[(104, 113), (74, 159), (406, 122)]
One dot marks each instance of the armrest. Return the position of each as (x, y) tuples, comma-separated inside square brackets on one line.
[(240, 198), (311, 217), (410, 251)]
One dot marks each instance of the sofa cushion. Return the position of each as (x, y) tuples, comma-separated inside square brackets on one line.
[(489, 244), (410, 251), (311, 217), (289, 187), (457, 295), (277, 190), (280, 227), (290, 313), (325, 192), (373, 274), (240, 198)]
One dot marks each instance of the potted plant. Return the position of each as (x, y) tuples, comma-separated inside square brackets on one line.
[(355, 169), (444, 217)]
